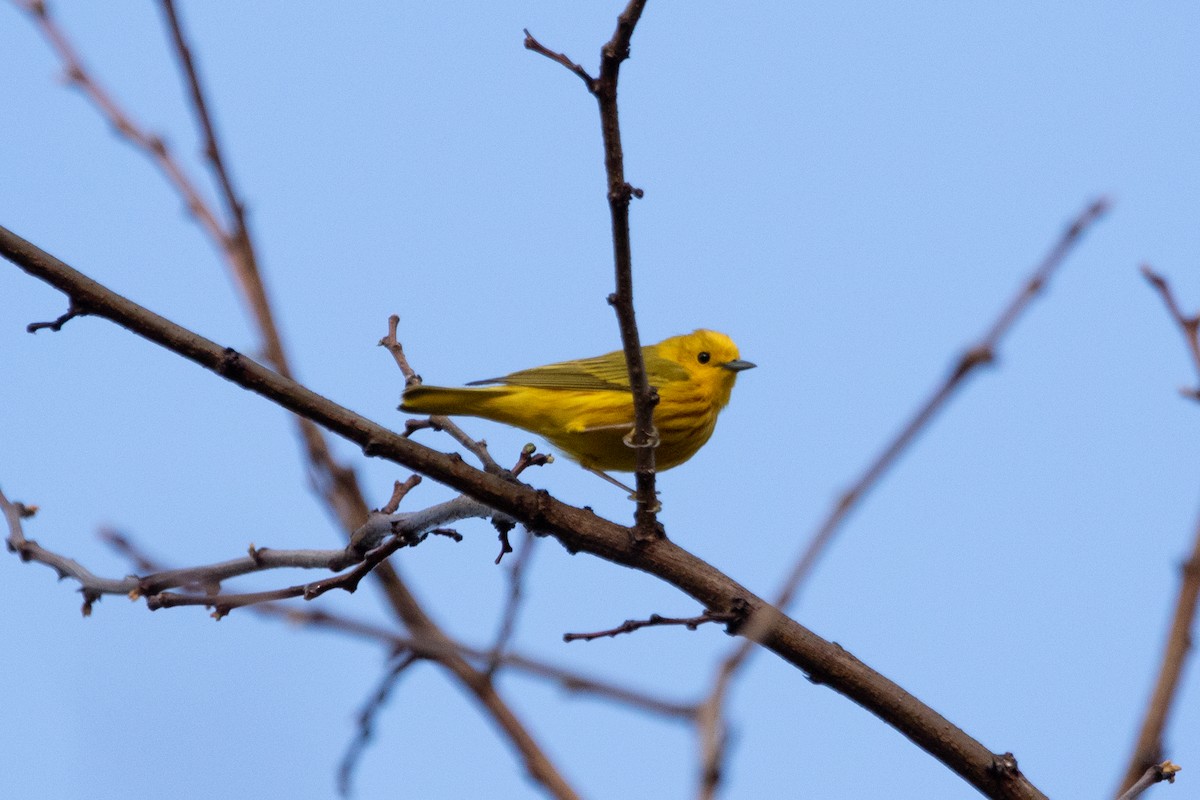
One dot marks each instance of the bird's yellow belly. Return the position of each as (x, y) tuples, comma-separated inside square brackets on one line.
[(591, 427)]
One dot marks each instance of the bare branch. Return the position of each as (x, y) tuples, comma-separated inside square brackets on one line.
[(477, 447), (212, 151), (393, 346), (56, 325), (336, 483), (1149, 746), (566, 678), (399, 491), (406, 530), (631, 625), (1189, 326), (347, 581), (92, 586), (152, 145), (530, 457), (512, 603), (714, 739), (1156, 773), (604, 89), (236, 242), (1148, 749), (435, 651), (366, 720), (537, 47), (979, 354)]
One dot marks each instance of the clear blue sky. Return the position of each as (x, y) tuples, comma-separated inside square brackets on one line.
[(850, 190)]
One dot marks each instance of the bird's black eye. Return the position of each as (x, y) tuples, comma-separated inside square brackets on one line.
[(703, 358)]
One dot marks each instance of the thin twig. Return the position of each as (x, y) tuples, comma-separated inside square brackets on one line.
[(981, 353), (512, 603), (366, 720), (212, 151), (568, 679), (1189, 326), (631, 625), (392, 344), (529, 457), (348, 581), (124, 545), (57, 324), (477, 447), (1156, 773), (92, 586), (533, 44), (399, 491), (604, 89), (210, 576), (407, 530), (1148, 749), (151, 144), (713, 732), (236, 241), (1149, 746)]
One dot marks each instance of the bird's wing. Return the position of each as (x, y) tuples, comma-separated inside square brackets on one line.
[(607, 373)]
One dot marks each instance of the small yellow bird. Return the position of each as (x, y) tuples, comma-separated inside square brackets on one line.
[(585, 409)]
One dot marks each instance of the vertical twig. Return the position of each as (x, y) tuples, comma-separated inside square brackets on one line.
[(604, 89), (1148, 749), (366, 720), (337, 483), (512, 604)]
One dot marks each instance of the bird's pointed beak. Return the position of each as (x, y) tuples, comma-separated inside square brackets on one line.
[(738, 365)]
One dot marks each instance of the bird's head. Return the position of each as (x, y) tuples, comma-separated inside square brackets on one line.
[(711, 359)]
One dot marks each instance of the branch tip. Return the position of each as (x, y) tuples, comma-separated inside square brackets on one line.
[(73, 310)]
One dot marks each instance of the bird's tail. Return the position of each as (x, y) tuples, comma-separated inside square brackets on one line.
[(451, 402)]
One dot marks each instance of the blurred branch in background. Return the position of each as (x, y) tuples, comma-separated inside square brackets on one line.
[(405, 650), (512, 601), (1155, 773), (322, 619), (1149, 748), (1189, 326), (336, 483), (975, 356)]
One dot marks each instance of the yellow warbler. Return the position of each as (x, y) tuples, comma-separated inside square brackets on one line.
[(585, 408)]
